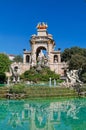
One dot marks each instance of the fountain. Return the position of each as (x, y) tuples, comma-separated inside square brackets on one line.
[(54, 82), (50, 83)]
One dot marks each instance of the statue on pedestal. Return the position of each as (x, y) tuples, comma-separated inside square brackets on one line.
[(72, 77), (15, 74), (42, 59)]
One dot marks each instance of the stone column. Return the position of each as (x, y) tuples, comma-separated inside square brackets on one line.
[(33, 53), (59, 58), (24, 58), (30, 59), (50, 47)]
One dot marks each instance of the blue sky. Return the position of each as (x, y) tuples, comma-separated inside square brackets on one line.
[(66, 21)]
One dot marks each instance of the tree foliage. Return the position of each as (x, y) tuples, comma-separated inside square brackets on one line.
[(83, 73), (76, 61), (18, 58), (69, 52), (76, 58), (4, 63)]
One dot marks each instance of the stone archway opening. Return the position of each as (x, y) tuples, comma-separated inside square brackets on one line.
[(55, 58), (27, 59), (41, 50)]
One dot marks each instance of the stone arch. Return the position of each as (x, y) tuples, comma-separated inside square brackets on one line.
[(38, 50), (27, 58), (55, 59)]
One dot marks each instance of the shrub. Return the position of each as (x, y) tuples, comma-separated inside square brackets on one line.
[(42, 75), (2, 78), (18, 88)]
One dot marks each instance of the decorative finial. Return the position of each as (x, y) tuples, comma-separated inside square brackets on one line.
[(42, 25)]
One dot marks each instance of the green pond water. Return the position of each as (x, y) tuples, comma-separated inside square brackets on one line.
[(60, 114)]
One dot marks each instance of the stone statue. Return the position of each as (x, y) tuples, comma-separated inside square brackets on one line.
[(41, 54), (8, 75), (15, 74), (72, 77), (40, 58)]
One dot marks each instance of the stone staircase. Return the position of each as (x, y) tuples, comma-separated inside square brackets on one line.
[(3, 92), (49, 92), (39, 92)]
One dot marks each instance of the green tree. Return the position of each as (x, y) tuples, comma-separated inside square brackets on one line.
[(69, 52), (76, 61), (75, 57), (83, 73), (18, 58), (66, 55), (83, 77), (4, 63)]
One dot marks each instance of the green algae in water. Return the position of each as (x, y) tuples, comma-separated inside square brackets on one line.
[(45, 114)]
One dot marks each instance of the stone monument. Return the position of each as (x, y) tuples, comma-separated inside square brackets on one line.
[(43, 41), (72, 77)]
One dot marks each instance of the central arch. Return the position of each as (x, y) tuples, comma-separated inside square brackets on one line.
[(38, 50)]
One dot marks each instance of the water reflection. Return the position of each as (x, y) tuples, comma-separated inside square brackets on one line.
[(45, 115)]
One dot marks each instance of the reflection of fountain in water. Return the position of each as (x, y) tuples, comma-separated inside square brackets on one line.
[(40, 119), (41, 115), (14, 120)]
